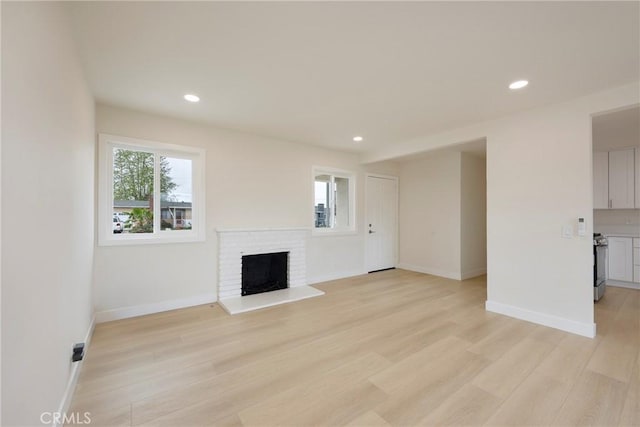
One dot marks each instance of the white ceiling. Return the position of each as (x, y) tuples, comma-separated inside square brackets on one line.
[(320, 73)]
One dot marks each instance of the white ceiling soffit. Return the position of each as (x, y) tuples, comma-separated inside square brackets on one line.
[(477, 148), (618, 129), (321, 73)]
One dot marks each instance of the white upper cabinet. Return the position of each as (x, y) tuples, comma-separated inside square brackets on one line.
[(621, 179), (601, 180)]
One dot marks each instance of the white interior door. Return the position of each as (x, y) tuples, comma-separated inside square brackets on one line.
[(382, 222)]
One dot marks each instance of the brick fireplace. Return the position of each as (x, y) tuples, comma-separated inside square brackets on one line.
[(233, 244)]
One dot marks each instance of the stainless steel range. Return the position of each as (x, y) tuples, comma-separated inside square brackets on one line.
[(599, 261)]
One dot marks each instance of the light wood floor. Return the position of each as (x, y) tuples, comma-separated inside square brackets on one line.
[(391, 348)]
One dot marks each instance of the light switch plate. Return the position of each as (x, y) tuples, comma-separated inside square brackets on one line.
[(567, 232)]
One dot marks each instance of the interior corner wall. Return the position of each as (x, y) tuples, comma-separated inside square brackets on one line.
[(539, 178), (47, 209), (539, 169), (473, 216), (429, 212), (251, 182)]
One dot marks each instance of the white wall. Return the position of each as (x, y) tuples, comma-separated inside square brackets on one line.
[(251, 181), (473, 216), (429, 212), (47, 208), (0, 225), (538, 180), (539, 174), (443, 214)]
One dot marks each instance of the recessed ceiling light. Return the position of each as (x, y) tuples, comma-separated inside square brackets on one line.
[(519, 84), (357, 138), (192, 98)]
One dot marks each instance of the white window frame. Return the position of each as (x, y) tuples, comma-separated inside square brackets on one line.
[(106, 237), (334, 173)]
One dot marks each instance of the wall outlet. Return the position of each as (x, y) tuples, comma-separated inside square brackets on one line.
[(78, 352)]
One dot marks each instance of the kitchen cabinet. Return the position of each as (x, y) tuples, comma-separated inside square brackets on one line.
[(621, 179), (620, 258), (601, 180)]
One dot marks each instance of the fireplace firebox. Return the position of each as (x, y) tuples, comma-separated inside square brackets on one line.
[(264, 272)]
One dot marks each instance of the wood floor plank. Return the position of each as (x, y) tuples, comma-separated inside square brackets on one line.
[(391, 348), (418, 364), (414, 395), (251, 383), (469, 405), (338, 408), (615, 358), (117, 395), (567, 360), (400, 347), (535, 402), (494, 345), (631, 410), (114, 417), (595, 400), (505, 374), (369, 419), (297, 403)]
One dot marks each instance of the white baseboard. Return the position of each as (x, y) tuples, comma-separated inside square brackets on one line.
[(618, 284), (474, 273), (567, 325), (334, 276), (432, 271), (67, 397), (156, 307)]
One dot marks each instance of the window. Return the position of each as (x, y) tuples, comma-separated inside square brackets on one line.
[(334, 200), (153, 192)]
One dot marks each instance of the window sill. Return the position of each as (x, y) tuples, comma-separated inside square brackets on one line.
[(329, 233), (148, 240)]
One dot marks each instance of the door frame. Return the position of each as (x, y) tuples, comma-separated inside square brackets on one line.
[(365, 227)]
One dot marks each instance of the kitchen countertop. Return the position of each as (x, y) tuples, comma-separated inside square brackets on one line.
[(618, 230)]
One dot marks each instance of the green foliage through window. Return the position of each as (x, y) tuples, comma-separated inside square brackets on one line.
[(133, 175)]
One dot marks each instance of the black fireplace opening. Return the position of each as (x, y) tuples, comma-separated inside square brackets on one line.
[(264, 273)]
